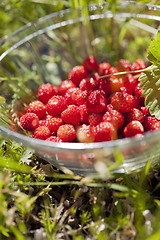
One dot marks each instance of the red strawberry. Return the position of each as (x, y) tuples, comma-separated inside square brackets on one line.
[(148, 122), (105, 131), (135, 114), (77, 74), (42, 122), (71, 95), (90, 63), (84, 113), (54, 123), (29, 121), (66, 132), (96, 102), (138, 65), (138, 90), (112, 70), (54, 139), (129, 83), (133, 128), (123, 102), (145, 111), (103, 68), (84, 134), (64, 86), (38, 108), (71, 115), (94, 119), (42, 132), (123, 65), (88, 84), (114, 117), (81, 98), (56, 105), (45, 92), (155, 126)]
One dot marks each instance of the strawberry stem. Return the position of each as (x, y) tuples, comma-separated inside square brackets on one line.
[(126, 72)]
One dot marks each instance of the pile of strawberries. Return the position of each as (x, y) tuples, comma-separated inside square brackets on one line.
[(90, 108)]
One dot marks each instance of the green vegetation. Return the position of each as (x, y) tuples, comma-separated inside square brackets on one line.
[(39, 202)]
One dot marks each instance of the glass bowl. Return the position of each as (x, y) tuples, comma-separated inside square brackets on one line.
[(46, 50)]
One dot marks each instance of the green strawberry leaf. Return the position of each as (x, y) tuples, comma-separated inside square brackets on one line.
[(150, 82), (154, 50)]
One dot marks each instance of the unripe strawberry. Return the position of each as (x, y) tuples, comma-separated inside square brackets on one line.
[(56, 105), (42, 132), (66, 132), (84, 134), (64, 86), (29, 121), (105, 131), (71, 115), (77, 74), (38, 108), (90, 63), (45, 92), (133, 128)]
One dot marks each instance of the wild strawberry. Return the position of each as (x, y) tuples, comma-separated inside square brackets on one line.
[(38, 108), (105, 131), (83, 113), (84, 134), (42, 132), (54, 139), (145, 111), (71, 95), (138, 65), (66, 132), (148, 122), (129, 82), (64, 86), (42, 122), (29, 121), (81, 98), (135, 114), (45, 92), (95, 76), (94, 119), (133, 128), (109, 107), (56, 105), (114, 117), (89, 84), (71, 115), (123, 65), (123, 102), (155, 126), (115, 84), (138, 90), (112, 70), (77, 74), (47, 117), (54, 123), (96, 102), (90, 63), (103, 68)]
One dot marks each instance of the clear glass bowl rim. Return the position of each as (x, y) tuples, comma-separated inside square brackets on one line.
[(125, 142)]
